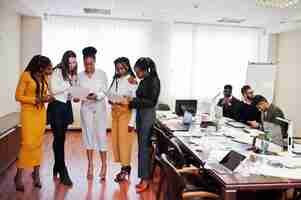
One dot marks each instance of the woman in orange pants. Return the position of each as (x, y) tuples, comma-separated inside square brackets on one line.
[(123, 119)]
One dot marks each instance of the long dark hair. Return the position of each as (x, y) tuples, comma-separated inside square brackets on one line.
[(147, 65), (37, 65), (64, 65), (125, 62)]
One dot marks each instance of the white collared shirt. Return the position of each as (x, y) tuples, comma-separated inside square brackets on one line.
[(98, 84), (122, 87), (59, 86)]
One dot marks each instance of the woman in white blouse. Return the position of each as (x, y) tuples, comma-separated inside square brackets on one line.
[(59, 112), (124, 84), (94, 111)]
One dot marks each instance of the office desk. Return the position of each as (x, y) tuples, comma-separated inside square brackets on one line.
[(232, 183)]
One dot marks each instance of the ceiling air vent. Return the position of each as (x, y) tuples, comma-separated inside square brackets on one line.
[(97, 11), (231, 20)]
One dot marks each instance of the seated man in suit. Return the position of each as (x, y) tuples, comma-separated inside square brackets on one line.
[(249, 114), (230, 104), (270, 113)]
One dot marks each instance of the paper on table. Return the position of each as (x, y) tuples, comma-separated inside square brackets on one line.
[(281, 172), (79, 92)]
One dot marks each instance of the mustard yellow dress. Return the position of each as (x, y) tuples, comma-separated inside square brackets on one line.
[(33, 122)]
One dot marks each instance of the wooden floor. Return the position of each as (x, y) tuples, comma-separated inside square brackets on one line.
[(82, 189)]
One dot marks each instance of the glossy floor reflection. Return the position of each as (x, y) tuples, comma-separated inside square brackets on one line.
[(82, 189)]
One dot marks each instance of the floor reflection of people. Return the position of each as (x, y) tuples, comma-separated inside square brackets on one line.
[(60, 190), (90, 190), (122, 192), (103, 194)]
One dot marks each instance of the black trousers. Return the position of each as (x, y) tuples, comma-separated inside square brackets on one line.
[(59, 117), (144, 120)]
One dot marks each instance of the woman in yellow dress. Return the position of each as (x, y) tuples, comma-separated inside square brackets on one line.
[(31, 92)]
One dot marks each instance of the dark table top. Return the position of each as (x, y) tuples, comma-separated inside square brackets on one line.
[(8, 122)]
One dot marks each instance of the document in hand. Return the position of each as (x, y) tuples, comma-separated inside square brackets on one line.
[(79, 92)]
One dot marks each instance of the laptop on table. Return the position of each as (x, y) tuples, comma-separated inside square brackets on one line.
[(229, 163)]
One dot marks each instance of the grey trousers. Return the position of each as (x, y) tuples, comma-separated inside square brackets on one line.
[(144, 120)]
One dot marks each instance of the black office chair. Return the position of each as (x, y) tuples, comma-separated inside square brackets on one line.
[(162, 140), (163, 107), (176, 187), (171, 146)]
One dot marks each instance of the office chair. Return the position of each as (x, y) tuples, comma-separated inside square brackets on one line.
[(163, 107), (175, 186), (170, 145)]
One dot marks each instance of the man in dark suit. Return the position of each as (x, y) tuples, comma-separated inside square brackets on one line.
[(249, 114), (230, 104)]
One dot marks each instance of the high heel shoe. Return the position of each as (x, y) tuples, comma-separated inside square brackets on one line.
[(55, 171), (36, 180), (123, 175), (18, 185), (90, 173), (141, 187), (65, 178), (103, 173)]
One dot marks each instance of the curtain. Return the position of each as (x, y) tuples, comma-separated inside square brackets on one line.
[(205, 58), (194, 61), (112, 38)]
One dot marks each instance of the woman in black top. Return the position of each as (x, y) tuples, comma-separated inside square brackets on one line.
[(145, 101)]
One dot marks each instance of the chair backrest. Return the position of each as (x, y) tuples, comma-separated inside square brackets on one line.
[(174, 183), (163, 107), (169, 145), (175, 153), (162, 141)]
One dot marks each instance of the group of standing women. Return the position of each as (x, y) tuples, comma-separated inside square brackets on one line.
[(135, 108)]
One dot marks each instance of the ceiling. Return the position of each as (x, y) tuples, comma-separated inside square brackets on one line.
[(196, 11)]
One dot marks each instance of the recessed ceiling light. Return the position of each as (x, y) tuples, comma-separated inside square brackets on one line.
[(231, 20), (97, 11), (196, 5)]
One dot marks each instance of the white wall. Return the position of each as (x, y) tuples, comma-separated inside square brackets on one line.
[(31, 38), (288, 90), (9, 56)]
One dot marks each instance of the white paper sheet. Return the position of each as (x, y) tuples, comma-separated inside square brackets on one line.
[(79, 92), (281, 172)]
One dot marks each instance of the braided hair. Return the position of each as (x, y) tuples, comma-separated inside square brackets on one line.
[(37, 65), (147, 65), (125, 62)]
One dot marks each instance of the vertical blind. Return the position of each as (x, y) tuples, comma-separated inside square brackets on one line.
[(202, 59)]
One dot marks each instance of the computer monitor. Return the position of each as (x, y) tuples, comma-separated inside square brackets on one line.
[(186, 104)]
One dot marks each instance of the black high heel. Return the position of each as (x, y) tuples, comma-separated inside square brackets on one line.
[(36, 183), (19, 187), (65, 178), (55, 171), (103, 173), (123, 175)]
